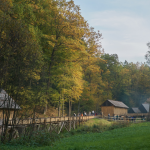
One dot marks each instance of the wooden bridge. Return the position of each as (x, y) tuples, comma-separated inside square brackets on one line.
[(50, 120), (55, 124)]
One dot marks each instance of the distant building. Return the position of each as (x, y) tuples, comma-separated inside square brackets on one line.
[(134, 110), (113, 107), (144, 108), (6, 102)]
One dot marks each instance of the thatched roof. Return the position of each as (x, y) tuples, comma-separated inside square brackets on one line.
[(114, 103), (6, 101)]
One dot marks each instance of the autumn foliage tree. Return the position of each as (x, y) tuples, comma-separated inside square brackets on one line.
[(50, 56)]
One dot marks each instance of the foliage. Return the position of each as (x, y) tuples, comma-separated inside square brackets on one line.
[(38, 138), (50, 56)]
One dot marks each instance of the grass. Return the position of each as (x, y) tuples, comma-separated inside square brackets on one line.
[(98, 122), (136, 136)]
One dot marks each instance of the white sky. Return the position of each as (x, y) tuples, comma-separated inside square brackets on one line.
[(124, 24)]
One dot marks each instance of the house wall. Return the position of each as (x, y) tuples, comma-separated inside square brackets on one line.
[(1, 114), (120, 111), (107, 110), (113, 110)]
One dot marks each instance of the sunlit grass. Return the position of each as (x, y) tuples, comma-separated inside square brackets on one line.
[(97, 121)]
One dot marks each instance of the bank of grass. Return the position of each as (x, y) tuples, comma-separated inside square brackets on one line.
[(97, 121), (95, 135)]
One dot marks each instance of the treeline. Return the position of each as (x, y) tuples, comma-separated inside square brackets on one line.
[(49, 56)]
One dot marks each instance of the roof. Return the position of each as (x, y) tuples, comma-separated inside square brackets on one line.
[(115, 103), (118, 104), (6, 101), (136, 110), (144, 108)]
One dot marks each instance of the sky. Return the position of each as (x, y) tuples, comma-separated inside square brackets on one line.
[(124, 24)]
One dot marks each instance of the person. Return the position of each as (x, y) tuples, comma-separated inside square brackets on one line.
[(132, 118), (143, 117), (108, 116), (114, 117), (89, 113), (117, 117), (102, 114), (84, 113), (74, 114), (79, 114), (93, 112)]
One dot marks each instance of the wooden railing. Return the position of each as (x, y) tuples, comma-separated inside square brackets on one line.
[(137, 114), (48, 120), (125, 119)]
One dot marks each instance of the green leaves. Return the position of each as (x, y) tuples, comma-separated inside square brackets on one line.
[(48, 54)]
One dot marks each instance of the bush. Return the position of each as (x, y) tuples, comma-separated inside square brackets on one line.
[(38, 138), (118, 125), (101, 128)]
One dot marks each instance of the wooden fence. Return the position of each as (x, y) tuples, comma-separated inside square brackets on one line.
[(56, 124), (137, 114), (121, 119), (49, 120)]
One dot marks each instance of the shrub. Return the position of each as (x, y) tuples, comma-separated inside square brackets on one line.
[(38, 138), (118, 125)]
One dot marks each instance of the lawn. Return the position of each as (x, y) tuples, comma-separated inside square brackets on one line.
[(96, 121), (135, 137)]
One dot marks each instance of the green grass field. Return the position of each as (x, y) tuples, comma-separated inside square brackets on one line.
[(97, 122), (134, 137)]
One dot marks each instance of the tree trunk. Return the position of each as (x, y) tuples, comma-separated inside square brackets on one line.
[(79, 106), (70, 104), (45, 109), (69, 108), (59, 108), (63, 107)]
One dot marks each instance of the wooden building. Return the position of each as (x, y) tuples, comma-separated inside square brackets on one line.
[(114, 108), (7, 103), (134, 110)]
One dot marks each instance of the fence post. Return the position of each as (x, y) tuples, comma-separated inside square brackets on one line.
[(79, 121), (73, 123), (50, 125)]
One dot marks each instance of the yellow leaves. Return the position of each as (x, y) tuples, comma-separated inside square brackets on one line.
[(1, 13), (8, 3), (51, 43), (93, 69), (124, 71), (3, 35), (51, 38)]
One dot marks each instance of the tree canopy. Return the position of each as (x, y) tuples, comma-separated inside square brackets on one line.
[(49, 55)]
